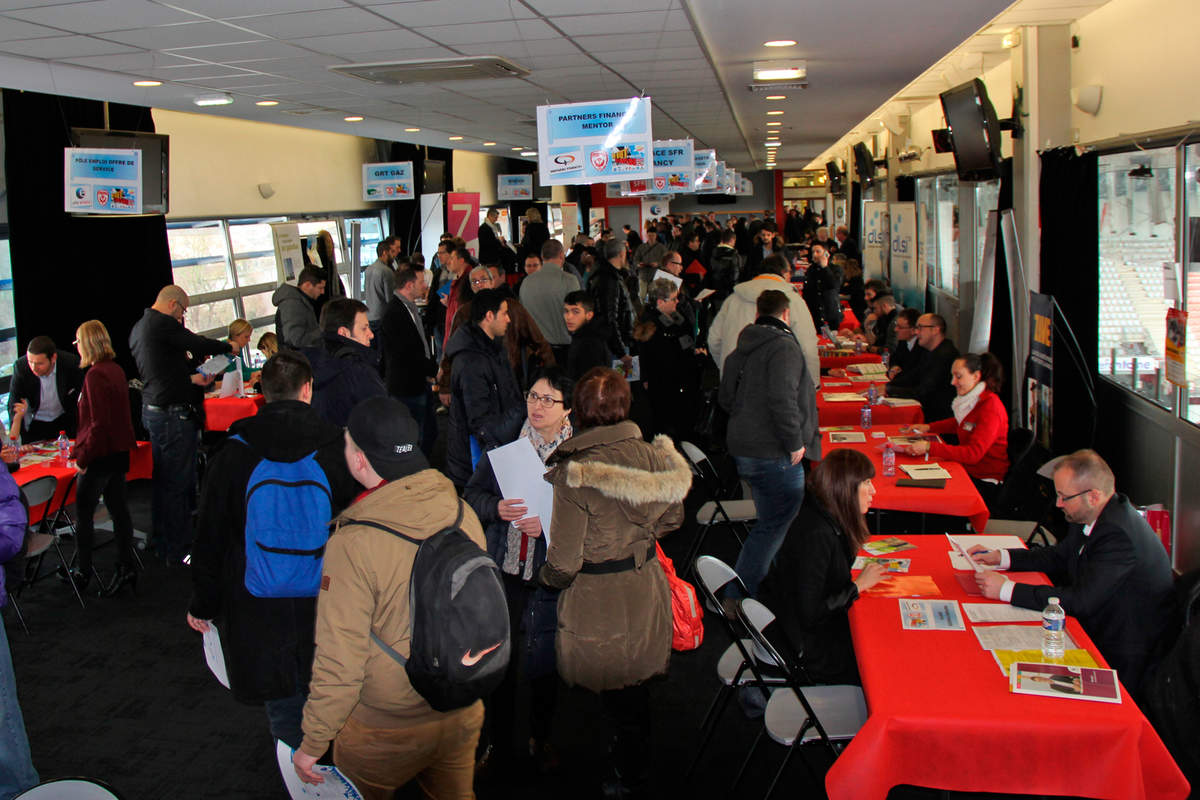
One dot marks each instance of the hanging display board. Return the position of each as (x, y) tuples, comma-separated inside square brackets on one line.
[(514, 187), (674, 165), (102, 181), (908, 279), (581, 143), (392, 180)]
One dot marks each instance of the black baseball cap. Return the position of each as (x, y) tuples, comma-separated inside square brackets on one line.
[(385, 431)]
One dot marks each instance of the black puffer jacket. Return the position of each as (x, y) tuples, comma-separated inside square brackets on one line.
[(613, 306), (344, 374)]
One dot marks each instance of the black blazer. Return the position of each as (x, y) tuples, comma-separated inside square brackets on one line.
[(929, 382), (68, 377), (810, 590), (405, 364), (1117, 582)]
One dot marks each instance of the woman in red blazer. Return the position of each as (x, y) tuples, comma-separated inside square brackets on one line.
[(980, 421), (102, 455)]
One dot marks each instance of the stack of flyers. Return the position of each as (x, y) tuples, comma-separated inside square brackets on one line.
[(890, 564), (892, 544)]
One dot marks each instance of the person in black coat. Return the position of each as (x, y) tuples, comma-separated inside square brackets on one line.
[(408, 354), (929, 380), (589, 335), (809, 586), (1110, 572), (42, 360), (345, 367), (666, 338), (268, 642), (614, 302), (536, 234), (486, 402)]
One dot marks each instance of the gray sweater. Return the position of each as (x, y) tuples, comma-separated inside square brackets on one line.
[(542, 295), (770, 398)]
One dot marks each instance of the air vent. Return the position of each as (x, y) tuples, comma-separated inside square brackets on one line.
[(434, 70), (774, 87)]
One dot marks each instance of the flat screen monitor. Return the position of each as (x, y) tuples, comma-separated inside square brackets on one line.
[(974, 130), (435, 177), (864, 164), (836, 177), (156, 181)]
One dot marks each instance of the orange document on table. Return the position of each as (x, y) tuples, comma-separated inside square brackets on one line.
[(905, 586)]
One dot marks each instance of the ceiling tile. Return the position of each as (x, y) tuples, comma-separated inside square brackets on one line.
[(233, 9), (639, 22), (450, 12), (187, 35), (131, 62), (63, 47), (14, 29), (394, 41), (475, 32), (553, 8), (246, 51), (603, 44), (99, 16), (190, 73), (329, 22)]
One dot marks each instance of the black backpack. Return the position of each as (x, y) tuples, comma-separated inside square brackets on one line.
[(460, 643)]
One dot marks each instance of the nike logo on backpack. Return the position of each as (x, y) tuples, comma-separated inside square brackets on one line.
[(470, 660)]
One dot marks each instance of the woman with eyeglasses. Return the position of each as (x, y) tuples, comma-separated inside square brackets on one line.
[(980, 423), (516, 542), (809, 586)]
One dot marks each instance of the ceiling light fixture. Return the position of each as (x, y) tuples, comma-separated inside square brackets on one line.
[(774, 113), (795, 70), (774, 124), (147, 83), (780, 43), (775, 97), (456, 138), (213, 100), (1011, 40), (774, 144), (411, 130), (529, 152), (353, 118), (489, 144), (516, 148), (267, 103)]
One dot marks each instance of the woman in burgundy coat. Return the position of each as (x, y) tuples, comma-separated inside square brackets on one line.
[(102, 455)]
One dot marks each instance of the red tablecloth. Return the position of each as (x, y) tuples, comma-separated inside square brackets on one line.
[(941, 716), (221, 412), (841, 362), (141, 466), (959, 498), (848, 413)]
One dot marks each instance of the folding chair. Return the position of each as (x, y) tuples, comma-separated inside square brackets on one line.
[(737, 514), (799, 714), (71, 789), (738, 666), (40, 491)]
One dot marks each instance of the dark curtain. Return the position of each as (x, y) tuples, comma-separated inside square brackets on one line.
[(854, 223), (66, 269), (906, 189), (1070, 273), (405, 215), (1000, 344)]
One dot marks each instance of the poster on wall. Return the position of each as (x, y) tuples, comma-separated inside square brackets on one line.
[(1176, 348), (1039, 380), (289, 256), (876, 239), (655, 208), (908, 279), (514, 187), (462, 218), (570, 222), (580, 143), (596, 220), (705, 163), (392, 180), (102, 181), (674, 165), (839, 213)]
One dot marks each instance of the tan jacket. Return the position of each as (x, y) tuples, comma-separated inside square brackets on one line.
[(364, 588)]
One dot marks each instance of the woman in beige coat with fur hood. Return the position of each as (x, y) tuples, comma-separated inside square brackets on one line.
[(614, 495)]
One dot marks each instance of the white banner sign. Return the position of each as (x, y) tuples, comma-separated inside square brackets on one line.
[(600, 142), (674, 165), (908, 279), (514, 187), (102, 181), (705, 179), (876, 240)]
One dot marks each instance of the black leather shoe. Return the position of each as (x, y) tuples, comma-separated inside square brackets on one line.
[(75, 576), (123, 576)]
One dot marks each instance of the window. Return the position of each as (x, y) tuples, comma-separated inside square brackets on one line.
[(8, 325), (1191, 283), (927, 229), (1137, 269), (987, 199)]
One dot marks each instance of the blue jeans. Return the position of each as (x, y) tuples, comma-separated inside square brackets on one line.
[(16, 766), (174, 439), (778, 488), (284, 716), (422, 408)]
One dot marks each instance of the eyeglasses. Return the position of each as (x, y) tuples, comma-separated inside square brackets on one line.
[(925, 326), (478, 281), (543, 400), (1062, 498)]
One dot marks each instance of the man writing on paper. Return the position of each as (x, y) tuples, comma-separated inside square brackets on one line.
[(1110, 572)]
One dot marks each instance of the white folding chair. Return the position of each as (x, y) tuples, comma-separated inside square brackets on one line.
[(799, 714), (71, 789), (37, 492), (737, 514)]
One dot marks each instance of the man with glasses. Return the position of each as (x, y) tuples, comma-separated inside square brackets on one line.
[(904, 354), (929, 381), (167, 355), (1110, 571)]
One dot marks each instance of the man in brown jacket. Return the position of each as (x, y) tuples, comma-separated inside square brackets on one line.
[(384, 733)]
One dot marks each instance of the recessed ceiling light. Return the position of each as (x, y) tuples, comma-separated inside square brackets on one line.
[(456, 138), (790, 70), (779, 43), (517, 148), (773, 144), (267, 103), (529, 152), (489, 144), (411, 130), (774, 113), (147, 83), (213, 100), (773, 136), (774, 124), (353, 118), (776, 97)]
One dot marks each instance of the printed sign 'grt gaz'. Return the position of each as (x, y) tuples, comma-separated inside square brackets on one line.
[(601, 142)]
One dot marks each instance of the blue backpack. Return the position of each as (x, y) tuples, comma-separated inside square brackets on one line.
[(288, 508)]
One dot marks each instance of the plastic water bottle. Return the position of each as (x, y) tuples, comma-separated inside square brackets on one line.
[(858, 345), (872, 395), (889, 461), (1054, 621), (865, 417), (64, 445)]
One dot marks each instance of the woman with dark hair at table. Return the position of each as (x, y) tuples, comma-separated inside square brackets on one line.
[(102, 455), (980, 421), (614, 495), (809, 587)]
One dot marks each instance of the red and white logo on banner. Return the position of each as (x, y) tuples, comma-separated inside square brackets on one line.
[(660, 183), (599, 159)]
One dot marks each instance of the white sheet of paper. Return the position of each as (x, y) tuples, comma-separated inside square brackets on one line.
[(900, 402), (215, 365), (844, 437), (928, 471), (957, 549), (231, 384), (991, 542), (520, 473), (658, 273), (214, 655), (336, 786), (704, 293), (960, 562), (999, 612), (1014, 637)]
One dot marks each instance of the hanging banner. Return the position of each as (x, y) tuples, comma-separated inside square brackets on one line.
[(462, 218), (1039, 380), (289, 255), (570, 222), (388, 181), (705, 179), (908, 279), (876, 239), (636, 188), (1176, 349), (102, 181), (674, 165), (595, 142), (514, 187)]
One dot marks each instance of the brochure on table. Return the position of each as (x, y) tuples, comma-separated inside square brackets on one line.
[(1061, 680), (930, 615), (102, 181), (391, 180), (600, 142)]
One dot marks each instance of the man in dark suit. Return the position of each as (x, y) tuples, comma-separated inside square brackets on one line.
[(929, 382), (45, 386), (1110, 572), (407, 354)]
